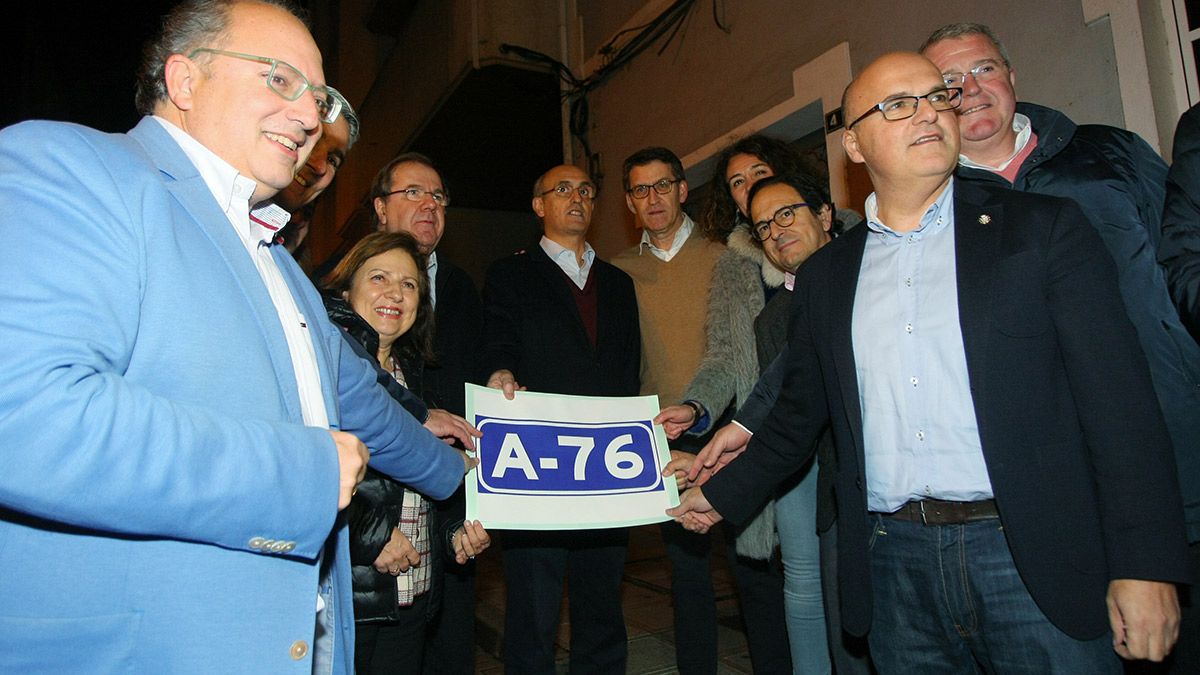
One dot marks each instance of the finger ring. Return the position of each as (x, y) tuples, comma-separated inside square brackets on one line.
[(471, 557)]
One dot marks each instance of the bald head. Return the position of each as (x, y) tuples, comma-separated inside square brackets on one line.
[(869, 87), (565, 212), (922, 146)]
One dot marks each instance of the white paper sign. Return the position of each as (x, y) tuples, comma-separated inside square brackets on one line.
[(557, 462)]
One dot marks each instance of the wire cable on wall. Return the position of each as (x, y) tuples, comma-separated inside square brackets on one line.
[(617, 52)]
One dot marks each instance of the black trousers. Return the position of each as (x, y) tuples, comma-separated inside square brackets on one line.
[(392, 647), (535, 565), (693, 603), (760, 595), (451, 632)]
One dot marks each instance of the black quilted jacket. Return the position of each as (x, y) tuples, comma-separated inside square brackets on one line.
[(375, 509)]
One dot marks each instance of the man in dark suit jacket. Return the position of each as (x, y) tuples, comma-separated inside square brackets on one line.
[(559, 320), (1058, 493), (1179, 254), (408, 196)]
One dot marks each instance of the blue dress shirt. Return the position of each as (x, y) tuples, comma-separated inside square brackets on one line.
[(920, 435)]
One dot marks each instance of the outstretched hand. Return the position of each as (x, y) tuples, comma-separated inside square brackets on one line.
[(469, 461), (724, 447), (450, 427), (681, 462), (694, 512), (676, 419)]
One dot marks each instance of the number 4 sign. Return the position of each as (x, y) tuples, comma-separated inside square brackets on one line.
[(552, 462)]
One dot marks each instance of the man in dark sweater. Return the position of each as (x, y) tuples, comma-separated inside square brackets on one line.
[(559, 320)]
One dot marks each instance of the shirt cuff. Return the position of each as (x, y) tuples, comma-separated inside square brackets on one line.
[(700, 425)]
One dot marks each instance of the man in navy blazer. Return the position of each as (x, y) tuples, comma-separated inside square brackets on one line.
[(180, 425), (1054, 496)]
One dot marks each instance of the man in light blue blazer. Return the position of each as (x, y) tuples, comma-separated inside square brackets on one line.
[(179, 423)]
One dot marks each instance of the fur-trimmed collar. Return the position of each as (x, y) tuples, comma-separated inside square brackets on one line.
[(740, 242)]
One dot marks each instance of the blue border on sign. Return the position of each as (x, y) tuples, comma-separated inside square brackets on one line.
[(644, 426)]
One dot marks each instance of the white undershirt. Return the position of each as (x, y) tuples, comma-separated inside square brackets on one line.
[(233, 192), (567, 262), (432, 269), (1024, 130), (681, 237)]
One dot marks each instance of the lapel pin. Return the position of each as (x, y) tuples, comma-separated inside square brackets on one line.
[(985, 219)]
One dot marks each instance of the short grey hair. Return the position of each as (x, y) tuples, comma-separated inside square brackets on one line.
[(963, 29), (188, 26), (347, 114)]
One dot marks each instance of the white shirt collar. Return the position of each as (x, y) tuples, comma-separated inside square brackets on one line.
[(681, 237), (567, 262), (1024, 130), (431, 270), (232, 190), (559, 252)]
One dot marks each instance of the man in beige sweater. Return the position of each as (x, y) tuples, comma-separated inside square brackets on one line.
[(671, 269)]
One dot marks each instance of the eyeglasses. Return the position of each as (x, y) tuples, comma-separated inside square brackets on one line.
[(784, 218), (587, 191), (662, 187), (899, 108), (289, 83), (416, 194), (981, 73)]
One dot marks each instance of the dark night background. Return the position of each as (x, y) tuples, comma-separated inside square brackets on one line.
[(75, 61)]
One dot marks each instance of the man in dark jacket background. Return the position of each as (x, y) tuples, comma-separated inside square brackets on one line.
[(408, 196), (1118, 180), (1180, 256)]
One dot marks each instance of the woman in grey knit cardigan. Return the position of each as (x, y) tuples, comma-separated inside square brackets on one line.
[(743, 282)]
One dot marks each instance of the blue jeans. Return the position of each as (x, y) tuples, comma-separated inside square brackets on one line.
[(796, 521), (948, 599)]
